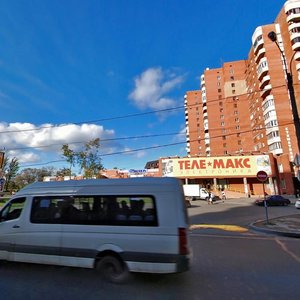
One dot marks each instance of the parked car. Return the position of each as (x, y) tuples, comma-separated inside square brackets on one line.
[(297, 204), (273, 200)]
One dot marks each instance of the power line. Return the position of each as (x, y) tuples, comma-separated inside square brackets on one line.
[(96, 121), (101, 140), (134, 115), (156, 147), (144, 136)]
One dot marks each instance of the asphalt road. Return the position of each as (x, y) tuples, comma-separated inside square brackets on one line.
[(227, 264)]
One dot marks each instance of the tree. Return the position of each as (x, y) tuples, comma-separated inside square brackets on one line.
[(88, 159), (30, 175), (10, 169), (70, 156), (63, 172)]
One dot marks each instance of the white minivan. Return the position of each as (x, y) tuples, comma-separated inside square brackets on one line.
[(114, 225)]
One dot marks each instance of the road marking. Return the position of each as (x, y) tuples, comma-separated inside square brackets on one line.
[(284, 248), (234, 228)]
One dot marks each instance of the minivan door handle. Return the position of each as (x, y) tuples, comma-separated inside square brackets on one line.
[(16, 226)]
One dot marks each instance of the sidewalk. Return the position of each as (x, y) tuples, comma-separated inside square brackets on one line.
[(286, 226)]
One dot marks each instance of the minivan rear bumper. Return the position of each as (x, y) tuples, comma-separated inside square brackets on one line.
[(156, 262)]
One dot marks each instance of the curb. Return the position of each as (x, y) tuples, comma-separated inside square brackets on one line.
[(277, 232)]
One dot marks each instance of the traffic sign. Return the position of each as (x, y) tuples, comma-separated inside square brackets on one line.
[(262, 176)]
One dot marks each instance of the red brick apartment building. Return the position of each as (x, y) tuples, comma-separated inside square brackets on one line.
[(243, 111)]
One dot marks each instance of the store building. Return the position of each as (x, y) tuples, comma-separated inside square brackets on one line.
[(244, 108), (234, 173)]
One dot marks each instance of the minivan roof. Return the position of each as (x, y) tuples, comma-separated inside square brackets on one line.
[(70, 184)]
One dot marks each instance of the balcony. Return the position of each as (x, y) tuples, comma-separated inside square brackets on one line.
[(296, 43), (271, 129), (202, 81), (292, 9), (277, 151), (266, 91), (293, 17), (260, 54), (257, 39), (265, 80), (297, 56), (262, 68), (273, 140), (294, 35), (258, 46)]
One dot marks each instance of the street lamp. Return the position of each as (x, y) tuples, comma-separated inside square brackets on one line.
[(288, 72)]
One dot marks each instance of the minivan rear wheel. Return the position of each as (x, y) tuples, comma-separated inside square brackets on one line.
[(112, 269)]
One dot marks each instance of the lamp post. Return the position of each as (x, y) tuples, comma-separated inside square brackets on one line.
[(289, 78)]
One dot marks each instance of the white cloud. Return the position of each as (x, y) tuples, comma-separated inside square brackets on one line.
[(181, 136), (151, 88), (31, 143), (137, 154)]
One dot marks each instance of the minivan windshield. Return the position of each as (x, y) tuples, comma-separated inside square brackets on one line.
[(13, 209)]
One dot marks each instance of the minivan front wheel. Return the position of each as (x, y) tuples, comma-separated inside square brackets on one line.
[(112, 269)]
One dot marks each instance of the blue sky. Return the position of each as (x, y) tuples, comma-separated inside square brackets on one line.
[(74, 70)]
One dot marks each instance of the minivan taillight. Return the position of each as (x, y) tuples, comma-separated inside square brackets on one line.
[(183, 241)]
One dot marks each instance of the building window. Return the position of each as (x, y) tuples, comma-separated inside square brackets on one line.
[(220, 103), (236, 119), (221, 110), (233, 85), (239, 142), (224, 137), (221, 116), (233, 91), (222, 123), (237, 127), (224, 145), (235, 105), (220, 97), (219, 90)]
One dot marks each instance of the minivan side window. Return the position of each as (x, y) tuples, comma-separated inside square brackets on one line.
[(13, 209), (137, 210)]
